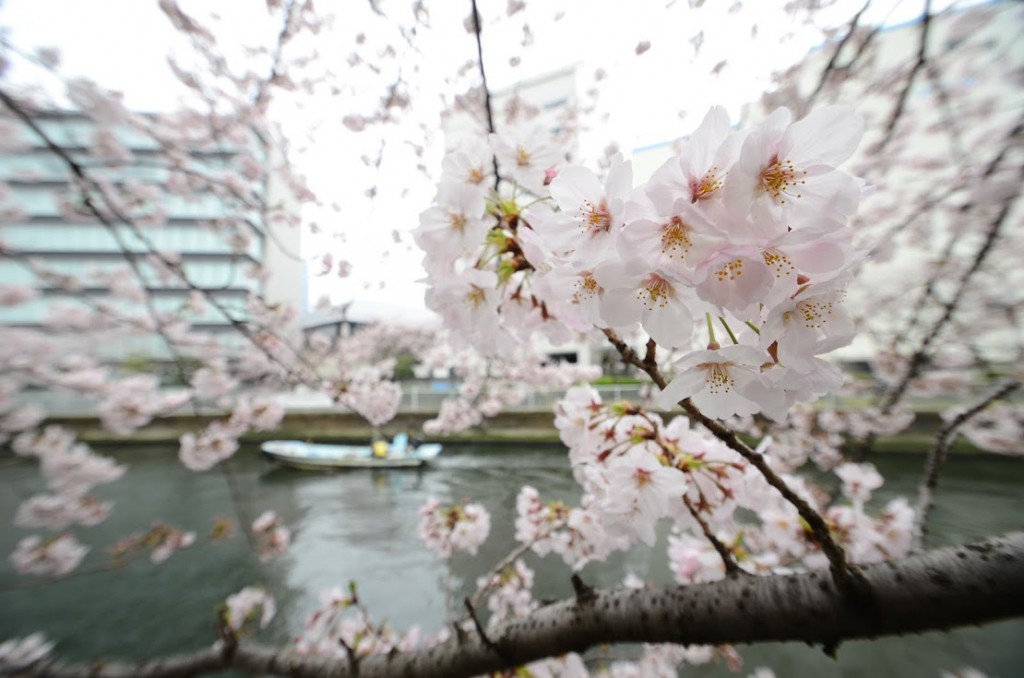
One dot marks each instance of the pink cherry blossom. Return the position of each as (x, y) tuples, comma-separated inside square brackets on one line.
[(722, 383), (56, 556), (250, 604)]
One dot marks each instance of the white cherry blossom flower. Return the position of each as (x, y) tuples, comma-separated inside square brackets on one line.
[(859, 481), (525, 154), (17, 654), (813, 321), (638, 493), (699, 171), (250, 604), (737, 280), (456, 224), (787, 168), (55, 557), (675, 236), (722, 382), (591, 212), (634, 292), (469, 164)]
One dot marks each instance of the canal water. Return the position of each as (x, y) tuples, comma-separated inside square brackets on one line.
[(361, 526)]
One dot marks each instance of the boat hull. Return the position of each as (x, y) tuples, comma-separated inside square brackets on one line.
[(316, 457)]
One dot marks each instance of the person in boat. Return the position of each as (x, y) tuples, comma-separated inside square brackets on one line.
[(379, 445), (399, 445)]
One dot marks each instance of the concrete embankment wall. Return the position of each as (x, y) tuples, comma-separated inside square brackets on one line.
[(326, 427), (508, 427)]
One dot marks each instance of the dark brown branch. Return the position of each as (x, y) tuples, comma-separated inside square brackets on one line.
[(478, 29), (353, 658), (833, 61), (922, 60), (481, 633), (972, 584), (962, 211), (731, 568), (585, 593), (937, 457), (920, 356)]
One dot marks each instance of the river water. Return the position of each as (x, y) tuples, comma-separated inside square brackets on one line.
[(361, 526)]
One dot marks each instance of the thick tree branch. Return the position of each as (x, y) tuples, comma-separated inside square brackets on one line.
[(937, 590), (937, 457)]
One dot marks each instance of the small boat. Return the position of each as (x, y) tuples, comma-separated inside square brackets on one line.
[(319, 457)]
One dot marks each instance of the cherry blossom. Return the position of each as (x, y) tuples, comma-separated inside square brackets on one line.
[(17, 654), (448, 529), (722, 382), (55, 556), (249, 604), (526, 153), (271, 535)]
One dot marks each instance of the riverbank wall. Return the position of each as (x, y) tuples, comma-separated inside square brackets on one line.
[(510, 426)]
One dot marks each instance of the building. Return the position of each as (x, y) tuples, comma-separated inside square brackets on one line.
[(48, 238)]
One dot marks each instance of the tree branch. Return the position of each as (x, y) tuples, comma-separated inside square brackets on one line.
[(833, 62), (937, 457), (477, 29), (846, 577), (731, 568), (920, 356), (956, 586), (922, 60)]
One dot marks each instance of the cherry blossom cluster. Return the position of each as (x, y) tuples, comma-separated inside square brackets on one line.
[(636, 469), (272, 537), (574, 533), (449, 529), (369, 394), (70, 470), (488, 385), (19, 653), (219, 439), (251, 604), (511, 594), (163, 541), (999, 428), (746, 231), (54, 556), (342, 624)]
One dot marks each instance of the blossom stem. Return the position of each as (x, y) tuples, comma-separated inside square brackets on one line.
[(753, 327), (711, 328), (728, 329)]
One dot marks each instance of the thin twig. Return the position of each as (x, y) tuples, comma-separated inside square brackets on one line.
[(484, 638), (920, 356), (922, 60), (731, 568), (833, 62), (515, 554), (477, 29), (937, 457)]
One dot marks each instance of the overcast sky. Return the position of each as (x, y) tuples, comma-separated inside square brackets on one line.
[(652, 98)]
